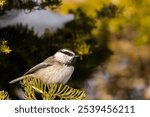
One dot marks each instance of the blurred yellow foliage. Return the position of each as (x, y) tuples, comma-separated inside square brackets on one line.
[(2, 3), (131, 15), (4, 48), (82, 48), (90, 6)]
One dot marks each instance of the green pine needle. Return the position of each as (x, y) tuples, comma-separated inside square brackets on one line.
[(33, 86), (4, 95)]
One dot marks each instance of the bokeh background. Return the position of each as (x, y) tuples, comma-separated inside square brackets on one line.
[(112, 38)]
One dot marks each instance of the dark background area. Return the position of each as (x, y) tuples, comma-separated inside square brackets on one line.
[(123, 53)]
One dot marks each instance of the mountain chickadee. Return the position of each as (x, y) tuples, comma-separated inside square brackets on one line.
[(55, 69)]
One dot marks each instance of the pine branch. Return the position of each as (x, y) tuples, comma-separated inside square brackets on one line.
[(33, 86), (27, 4), (4, 95), (4, 48), (2, 4)]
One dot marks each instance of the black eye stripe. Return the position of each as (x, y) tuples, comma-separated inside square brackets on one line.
[(67, 53)]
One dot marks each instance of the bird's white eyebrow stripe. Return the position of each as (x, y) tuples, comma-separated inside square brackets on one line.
[(67, 53)]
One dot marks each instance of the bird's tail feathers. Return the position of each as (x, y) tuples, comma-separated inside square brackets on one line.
[(16, 80)]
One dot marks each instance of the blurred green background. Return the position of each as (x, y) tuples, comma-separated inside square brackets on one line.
[(112, 38)]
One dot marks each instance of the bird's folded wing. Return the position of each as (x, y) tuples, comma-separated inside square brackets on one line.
[(32, 70), (37, 67)]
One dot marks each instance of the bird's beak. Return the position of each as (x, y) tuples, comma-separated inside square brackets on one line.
[(75, 59)]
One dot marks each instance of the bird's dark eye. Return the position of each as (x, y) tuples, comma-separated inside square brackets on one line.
[(67, 53)]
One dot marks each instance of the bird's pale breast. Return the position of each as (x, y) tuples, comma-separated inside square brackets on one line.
[(55, 74)]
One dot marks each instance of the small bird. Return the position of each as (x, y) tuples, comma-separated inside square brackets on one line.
[(55, 69)]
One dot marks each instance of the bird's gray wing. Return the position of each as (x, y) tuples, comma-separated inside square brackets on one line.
[(37, 67), (48, 62), (32, 70)]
